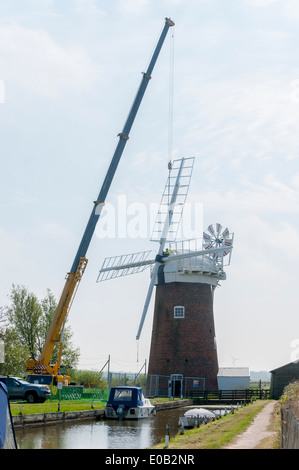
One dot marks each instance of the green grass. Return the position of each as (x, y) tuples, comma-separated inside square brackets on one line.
[(52, 406), (216, 434), (156, 401)]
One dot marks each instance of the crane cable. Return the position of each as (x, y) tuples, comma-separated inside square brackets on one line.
[(171, 88), (170, 106), (170, 127)]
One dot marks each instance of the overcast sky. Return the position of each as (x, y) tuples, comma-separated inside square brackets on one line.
[(69, 71)]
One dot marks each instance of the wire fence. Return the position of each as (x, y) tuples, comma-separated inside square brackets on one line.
[(99, 390), (173, 385), (153, 386), (289, 429), (79, 393)]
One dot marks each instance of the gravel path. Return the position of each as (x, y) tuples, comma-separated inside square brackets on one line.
[(256, 431)]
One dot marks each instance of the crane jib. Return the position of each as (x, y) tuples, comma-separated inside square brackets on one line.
[(123, 138), (74, 276)]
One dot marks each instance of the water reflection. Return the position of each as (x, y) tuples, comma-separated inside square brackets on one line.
[(102, 434)]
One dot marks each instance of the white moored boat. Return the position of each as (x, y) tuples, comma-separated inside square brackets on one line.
[(128, 403), (196, 416)]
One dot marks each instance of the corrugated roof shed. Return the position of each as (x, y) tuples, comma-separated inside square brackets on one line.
[(233, 372), (282, 376)]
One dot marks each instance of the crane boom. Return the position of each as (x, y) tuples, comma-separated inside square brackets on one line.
[(73, 278), (123, 138)]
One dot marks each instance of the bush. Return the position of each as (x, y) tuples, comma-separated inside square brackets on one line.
[(85, 377), (290, 397)]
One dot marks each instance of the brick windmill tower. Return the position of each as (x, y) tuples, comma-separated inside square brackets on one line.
[(183, 354)]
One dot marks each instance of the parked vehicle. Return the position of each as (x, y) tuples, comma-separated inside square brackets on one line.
[(20, 389), (43, 379)]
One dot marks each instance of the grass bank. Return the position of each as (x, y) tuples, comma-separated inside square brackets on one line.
[(52, 406), (217, 434)]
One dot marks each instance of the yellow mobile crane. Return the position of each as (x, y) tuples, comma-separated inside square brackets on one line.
[(42, 368)]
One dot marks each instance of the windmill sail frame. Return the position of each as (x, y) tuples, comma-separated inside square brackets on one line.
[(124, 265), (173, 199), (208, 259)]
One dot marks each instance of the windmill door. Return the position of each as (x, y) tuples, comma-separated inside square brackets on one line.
[(176, 385)]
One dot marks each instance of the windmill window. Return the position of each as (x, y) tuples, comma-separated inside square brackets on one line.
[(179, 312)]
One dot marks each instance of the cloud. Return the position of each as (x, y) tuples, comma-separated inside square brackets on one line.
[(33, 60), (262, 3), (133, 7), (271, 197), (291, 9), (295, 180), (89, 7), (273, 244), (55, 231), (242, 122)]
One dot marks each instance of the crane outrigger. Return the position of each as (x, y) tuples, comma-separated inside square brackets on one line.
[(74, 276)]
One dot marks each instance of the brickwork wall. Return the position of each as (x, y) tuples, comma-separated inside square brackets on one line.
[(184, 345)]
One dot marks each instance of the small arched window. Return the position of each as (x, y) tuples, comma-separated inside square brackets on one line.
[(179, 312)]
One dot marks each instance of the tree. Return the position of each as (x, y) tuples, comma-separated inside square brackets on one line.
[(14, 351), (23, 316), (15, 354), (3, 318), (86, 377), (48, 306), (29, 320)]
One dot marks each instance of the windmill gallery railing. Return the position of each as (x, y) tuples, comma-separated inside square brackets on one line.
[(205, 263)]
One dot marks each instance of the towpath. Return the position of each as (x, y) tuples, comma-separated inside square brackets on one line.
[(256, 431)]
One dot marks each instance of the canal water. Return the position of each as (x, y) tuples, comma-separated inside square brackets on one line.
[(101, 434)]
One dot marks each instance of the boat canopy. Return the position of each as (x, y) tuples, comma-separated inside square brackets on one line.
[(200, 413), (7, 436), (127, 396)]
